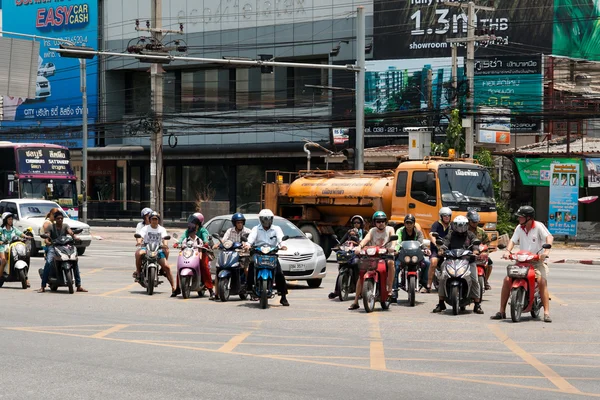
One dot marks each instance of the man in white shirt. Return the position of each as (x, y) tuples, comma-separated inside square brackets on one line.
[(530, 235), (268, 234)]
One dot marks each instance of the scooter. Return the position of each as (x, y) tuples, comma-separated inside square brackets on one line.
[(457, 268), (188, 267), (19, 254), (265, 260), (373, 261), (347, 267), (525, 295), (232, 263), (65, 259), (411, 257), (150, 267), (482, 264)]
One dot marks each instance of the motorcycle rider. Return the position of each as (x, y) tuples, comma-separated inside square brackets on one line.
[(54, 231), (377, 236), (410, 232), (145, 221), (47, 223), (235, 234), (440, 227), (268, 234), (530, 235), (473, 217), (460, 237), (196, 230), (7, 232), (149, 234), (355, 234)]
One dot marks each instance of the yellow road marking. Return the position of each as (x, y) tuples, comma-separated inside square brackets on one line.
[(108, 331), (558, 381), (234, 342), (376, 351), (128, 287), (93, 271), (556, 298)]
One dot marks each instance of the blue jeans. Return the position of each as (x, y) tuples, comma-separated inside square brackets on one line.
[(48, 266)]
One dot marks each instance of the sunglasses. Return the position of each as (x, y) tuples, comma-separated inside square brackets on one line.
[(356, 222), (409, 223), (380, 221)]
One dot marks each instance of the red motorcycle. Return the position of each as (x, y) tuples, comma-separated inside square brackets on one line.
[(373, 273), (482, 264), (524, 295)]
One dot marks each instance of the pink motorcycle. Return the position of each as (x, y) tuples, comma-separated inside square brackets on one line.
[(188, 268)]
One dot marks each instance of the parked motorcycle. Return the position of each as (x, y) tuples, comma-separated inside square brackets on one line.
[(232, 263), (19, 254), (65, 259), (347, 268), (411, 258), (525, 295), (456, 266), (188, 267), (373, 260), (265, 260), (149, 277)]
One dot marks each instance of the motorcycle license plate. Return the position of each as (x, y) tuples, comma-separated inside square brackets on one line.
[(298, 267)]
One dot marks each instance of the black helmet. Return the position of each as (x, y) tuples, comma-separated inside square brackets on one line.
[(154, 214), (525, 211), (410, 217), (473, 216)]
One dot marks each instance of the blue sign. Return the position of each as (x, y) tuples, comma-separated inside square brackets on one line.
[(55, 114), (564, 194)]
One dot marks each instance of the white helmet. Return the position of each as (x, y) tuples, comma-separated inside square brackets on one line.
[(266, 218), (445, 211), (460, 224), (146, 211)]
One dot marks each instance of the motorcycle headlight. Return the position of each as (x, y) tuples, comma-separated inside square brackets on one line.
[(153, 254), (490, 226), (462, 269), (414, 259), (228, 244), (188, 252), (382, 251), (265, 249), (407, 259), (371, 251)]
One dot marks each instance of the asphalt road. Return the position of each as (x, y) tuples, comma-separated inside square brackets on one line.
[(116, 342)]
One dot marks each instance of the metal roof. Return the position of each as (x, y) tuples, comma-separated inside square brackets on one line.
[(578, 146)]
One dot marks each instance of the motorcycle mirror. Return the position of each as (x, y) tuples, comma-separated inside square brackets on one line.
[(435, 234), (502, 246), (77, 231), (137, 236), (286, 237), (44, 236), (545, 246), (245, 237), (216, 236), (476, 242), (393, 237), (175, 235), (167, 237), (439, 242)]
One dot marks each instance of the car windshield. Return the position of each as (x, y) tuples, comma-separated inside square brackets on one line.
[(466, 185), (37, 210), (286, 226)]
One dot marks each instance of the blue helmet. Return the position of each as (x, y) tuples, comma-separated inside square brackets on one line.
[(238, 217)]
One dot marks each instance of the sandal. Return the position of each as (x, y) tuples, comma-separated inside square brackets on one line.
[(41, 290), (354, 307), (488, 287), (332, 296), (425, 290), (547, 318), (499, 315)]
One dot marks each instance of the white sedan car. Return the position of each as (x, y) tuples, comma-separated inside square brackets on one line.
[(31, 213), (302, 261)]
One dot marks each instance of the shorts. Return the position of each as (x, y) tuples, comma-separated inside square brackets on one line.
[(4, 248), (541, 270), (161, 253)]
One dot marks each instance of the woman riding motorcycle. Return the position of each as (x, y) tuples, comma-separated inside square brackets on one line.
[(7, 232), (355, 234)]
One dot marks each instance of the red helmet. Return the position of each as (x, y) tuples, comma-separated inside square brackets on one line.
[(200, 218)]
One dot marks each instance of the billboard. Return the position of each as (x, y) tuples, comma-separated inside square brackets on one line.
[(575, 29), (563, 207), (54, 115), (593, 172), (419, 28), (537, 171)]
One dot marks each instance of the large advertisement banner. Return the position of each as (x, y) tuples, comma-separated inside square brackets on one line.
[(55, 114), (562, 218), (419, 28), (537, 171), (576, 31)]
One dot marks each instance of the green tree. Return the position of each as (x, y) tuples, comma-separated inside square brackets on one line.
[(455, 138)]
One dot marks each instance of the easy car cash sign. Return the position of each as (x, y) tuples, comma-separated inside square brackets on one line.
[(58, 17)]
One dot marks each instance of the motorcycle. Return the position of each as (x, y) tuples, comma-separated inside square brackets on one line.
[(188, 267), (347, 267), (232, 262), (150, 267), (524, 295), (373, 260), (482, 264), (457, 268), (19, 255), (411, 258), (265, 260), (65, 259)]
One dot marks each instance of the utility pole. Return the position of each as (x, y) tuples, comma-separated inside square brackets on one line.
[(359, 155), (470, 41), (454, 74), (156, 141)]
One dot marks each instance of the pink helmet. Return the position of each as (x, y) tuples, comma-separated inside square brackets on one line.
[(200, 218)]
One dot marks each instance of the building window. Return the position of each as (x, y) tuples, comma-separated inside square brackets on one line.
[(249, 180), (138, 93), (194, 182), (206, 90)]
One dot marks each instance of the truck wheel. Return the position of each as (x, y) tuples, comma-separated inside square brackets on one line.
[(316, 236)]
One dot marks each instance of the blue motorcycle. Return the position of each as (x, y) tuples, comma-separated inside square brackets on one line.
[(231, 266), (265, 261)]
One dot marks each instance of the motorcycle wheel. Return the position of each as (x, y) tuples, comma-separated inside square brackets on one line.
[(151, 277), (517, 301), (23, 278), (264, 300), (455, 300), (368, 295), (412, 283), (224, 289), (69, 277), (537, 306), (1, 283), (481, 288), (186, 286), (344, 286)]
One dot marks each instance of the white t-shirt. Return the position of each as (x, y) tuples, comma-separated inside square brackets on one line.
[(533, 240), (152, 235), (139, 227)]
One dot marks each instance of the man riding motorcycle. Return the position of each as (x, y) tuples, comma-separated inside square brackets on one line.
[(55, 231), (235, 234), (377, 236), (411, 232), (460, 237), (355, 234), (268, 234), (145, 221), (473, 217), (154, 233), (440, 227), (530, 235)]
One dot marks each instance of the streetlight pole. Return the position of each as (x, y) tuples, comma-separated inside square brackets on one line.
[(84, 116)]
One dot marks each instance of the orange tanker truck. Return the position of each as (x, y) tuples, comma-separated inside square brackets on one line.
[(321, 203)]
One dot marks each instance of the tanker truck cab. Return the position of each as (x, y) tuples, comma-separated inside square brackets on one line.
[(423, 187)]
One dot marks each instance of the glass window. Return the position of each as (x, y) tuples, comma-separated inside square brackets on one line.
[(193, 181), (249, 180), (268, 90), (218, 182), (225, 227), (135, 191), (423, 187), (308, 95), (241, 88), (171, 183), (401, 184), (214, 226)]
